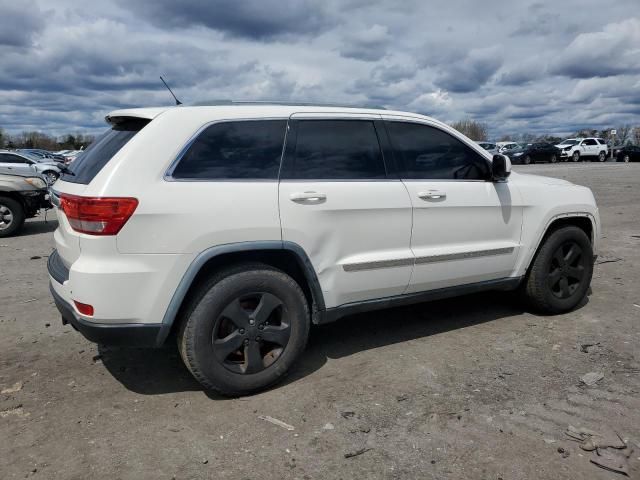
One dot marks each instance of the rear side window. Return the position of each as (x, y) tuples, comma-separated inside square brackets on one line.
[(97, 155), (429, 153), (336, 150), (234, 150)]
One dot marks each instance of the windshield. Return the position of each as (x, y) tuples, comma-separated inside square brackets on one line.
[(569, 141)]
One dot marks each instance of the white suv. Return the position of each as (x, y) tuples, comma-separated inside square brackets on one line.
[(234, 228), (577, 149)]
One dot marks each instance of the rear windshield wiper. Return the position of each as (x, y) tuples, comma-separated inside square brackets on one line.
[(64, 169)]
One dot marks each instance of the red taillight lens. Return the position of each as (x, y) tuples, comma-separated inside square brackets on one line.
[(97, 215), (84, 309)]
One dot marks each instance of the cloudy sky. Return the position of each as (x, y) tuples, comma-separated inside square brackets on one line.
[(534, 66)]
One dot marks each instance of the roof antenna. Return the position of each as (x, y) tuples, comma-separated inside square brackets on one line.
[(178, 102)]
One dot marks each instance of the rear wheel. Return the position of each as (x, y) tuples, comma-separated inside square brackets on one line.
[(526, 160), (602, 156), (576, 156), (245, 329), (625, 159), (561, 272), (12, 216)]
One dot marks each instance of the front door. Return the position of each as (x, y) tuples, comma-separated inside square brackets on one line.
[(338, 204), (466, 228)]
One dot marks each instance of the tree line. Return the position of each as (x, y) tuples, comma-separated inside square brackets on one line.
[(43, 141), (479, 131)]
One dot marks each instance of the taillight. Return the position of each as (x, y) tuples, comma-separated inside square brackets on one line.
[(97, 215), (84, 308)]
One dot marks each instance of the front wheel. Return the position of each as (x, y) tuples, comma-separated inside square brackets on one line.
[(625, 159), (553, 159), (50, 176), (576, 156), (12, 216), (245, 329), (560, 275), (526, 160)]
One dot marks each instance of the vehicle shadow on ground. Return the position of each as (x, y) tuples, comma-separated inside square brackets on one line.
[(39, 225), (151, 372)]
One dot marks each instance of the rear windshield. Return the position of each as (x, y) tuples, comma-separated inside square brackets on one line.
[(88, 163)]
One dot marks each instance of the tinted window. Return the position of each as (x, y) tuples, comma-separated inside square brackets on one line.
[(8, 158), (601, 141), (336, 150), (589, 141), (429, 153), (235, 150), (88, 163)]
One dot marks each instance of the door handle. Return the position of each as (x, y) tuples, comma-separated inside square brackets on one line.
[(432, 195), (308, 197)]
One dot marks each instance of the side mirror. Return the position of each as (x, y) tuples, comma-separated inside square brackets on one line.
[(500, 168)]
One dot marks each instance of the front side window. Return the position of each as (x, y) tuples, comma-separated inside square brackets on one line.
[(242, 150), (426, 152), (336, 150)]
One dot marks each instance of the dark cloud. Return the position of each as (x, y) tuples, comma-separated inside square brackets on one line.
[(253, 19), (547, 67), (470, 73), (19, 23)]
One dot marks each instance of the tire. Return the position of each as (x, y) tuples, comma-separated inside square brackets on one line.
[(576, 156), (602, 156), (561, 271), (50, 177), (625, 159), (12, 216), (553, 159), (226, 311), (526, 160)]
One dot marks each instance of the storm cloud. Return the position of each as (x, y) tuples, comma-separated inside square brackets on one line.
[(546, 67)]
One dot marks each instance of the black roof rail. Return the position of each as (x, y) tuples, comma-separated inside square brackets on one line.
[(214, 103)]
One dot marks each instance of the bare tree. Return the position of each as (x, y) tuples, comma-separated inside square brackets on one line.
[(473, 129)]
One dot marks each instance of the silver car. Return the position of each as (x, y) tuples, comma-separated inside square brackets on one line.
[(43, 166)]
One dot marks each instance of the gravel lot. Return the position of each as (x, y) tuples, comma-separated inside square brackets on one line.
[(465, 388)]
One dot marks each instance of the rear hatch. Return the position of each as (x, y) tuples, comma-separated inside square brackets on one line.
[(82, 171)]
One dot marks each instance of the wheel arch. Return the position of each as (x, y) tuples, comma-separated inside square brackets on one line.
[(583, 220), (286, 256)]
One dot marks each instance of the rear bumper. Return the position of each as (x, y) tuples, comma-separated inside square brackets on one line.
[(131, 334)]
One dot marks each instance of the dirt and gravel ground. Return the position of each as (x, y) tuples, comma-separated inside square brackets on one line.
[(474, 387)]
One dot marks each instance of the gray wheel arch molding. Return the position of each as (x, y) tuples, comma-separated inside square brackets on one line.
[(203, 257)]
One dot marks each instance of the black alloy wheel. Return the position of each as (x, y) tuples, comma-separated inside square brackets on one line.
[(567, 270), (251, 333), (243, 328)]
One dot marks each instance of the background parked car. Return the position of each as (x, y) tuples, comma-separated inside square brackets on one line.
[(630, 153), (504, 147), (22, 194), (577, 149), (42, 154), (43, 166), (534, 152), (489, 147)]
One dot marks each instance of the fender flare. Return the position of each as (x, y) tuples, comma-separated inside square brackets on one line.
[(578, 214), (203, 257)]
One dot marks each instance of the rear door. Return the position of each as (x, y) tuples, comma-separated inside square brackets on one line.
[(338, 203), (466, 228)]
